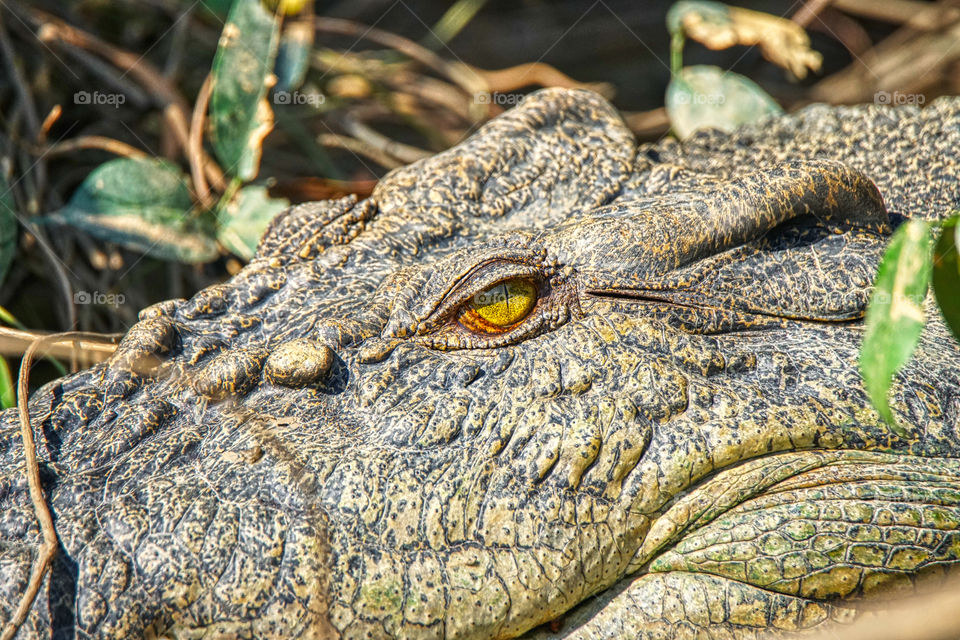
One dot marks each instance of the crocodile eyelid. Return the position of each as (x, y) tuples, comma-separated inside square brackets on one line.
[(480, 279), (552, 306)]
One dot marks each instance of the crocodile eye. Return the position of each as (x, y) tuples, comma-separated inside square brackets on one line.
[(500, 307)]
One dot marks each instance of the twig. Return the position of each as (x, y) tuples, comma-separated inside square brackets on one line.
[(908, 61), (94, 142), (310, 189), (14, 342), (48, 548), (430, 91), (809, 10), (469, 82), (402, 152), (359, 147), (647, 124), (404, 83), (535, 73), (195, 142), (10, 319), (922, 16), (846, 30), (48, 123)]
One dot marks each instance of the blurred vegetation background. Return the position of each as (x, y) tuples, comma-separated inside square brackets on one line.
[(145, 144)]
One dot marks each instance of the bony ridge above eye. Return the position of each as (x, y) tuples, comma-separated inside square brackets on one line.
[(499, 307)]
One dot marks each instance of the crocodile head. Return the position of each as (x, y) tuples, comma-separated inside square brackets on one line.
[(546, 372)]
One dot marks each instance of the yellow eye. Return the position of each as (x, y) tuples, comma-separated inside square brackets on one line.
[(498, 308)]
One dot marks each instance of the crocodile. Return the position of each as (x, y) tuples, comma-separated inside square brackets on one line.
[(550, 382)]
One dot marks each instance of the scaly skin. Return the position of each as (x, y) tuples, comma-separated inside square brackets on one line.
[(675, 441)]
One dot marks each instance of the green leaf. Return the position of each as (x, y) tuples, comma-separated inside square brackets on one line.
[(239, 114), (8, 395), (703, 97), (293, 56), (8, 228), (8, 318), (141, 204), (713, 12), (946, 274), (895, 316), (451, 23), (245, 218)]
